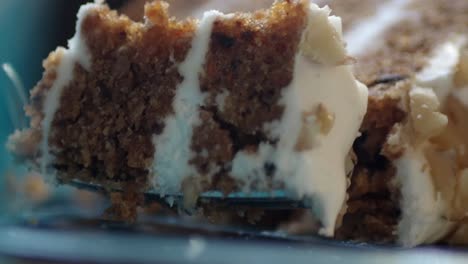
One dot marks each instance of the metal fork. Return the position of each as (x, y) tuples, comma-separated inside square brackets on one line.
[(16, 97), (276, 199), (272, 200)]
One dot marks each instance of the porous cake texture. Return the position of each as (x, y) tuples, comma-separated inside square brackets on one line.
[(268, 100), (242, 101)]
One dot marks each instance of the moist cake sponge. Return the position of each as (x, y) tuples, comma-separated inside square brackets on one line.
[(243, 101)]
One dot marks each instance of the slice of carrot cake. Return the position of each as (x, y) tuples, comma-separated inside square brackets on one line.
[(242, 101), (267, 100)]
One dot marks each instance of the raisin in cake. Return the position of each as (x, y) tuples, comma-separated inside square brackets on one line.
[(242, 101)]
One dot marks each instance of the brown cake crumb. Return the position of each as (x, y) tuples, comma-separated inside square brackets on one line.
[(373, 207), (213, 143), (124, 205), (252, 57), (104, 126), (110, 112), (250, 60)]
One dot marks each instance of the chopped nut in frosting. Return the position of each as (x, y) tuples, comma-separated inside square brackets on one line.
[(426, 119), (325, 119), (322, 41), (310, 129), (314, 122)]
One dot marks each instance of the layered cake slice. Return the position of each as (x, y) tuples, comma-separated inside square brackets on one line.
[(243, 101), (267, 100), (409, 184)]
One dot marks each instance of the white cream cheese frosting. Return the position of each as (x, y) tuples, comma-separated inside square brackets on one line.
[(173, 153), (422, 207), (324, 108), (424, 211), (77, 52), (320, 171)]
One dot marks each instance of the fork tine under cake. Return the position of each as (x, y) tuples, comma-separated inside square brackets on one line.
[(268, 100)]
